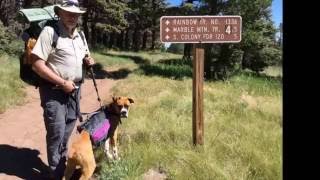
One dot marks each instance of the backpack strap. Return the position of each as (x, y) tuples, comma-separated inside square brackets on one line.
[(56, 35), (82, 37), (84, 69)]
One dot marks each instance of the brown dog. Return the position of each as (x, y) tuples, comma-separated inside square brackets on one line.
[(81, 152)]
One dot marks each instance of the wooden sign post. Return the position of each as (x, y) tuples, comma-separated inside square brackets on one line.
[(197, 95), (199, 29)]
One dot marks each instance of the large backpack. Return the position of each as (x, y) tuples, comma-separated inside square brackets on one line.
[(30, 37), (38, 18)]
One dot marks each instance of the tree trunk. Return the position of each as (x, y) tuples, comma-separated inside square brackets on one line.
[(101, 35), (5, 7), (111, 40), (105, 39), (93, 35), (136, 39), (154, 24), (120, 40), (211, 66), (85, 19), (187, 51), (154, 38), (126, 40), (144, 40), (85, 26)]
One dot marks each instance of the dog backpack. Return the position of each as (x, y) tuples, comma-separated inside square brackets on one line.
[(97, 125)]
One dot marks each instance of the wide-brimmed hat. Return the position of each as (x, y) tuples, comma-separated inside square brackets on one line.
[(70, 6)]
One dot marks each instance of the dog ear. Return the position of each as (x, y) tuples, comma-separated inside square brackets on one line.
[(114, 99), (131, 100)]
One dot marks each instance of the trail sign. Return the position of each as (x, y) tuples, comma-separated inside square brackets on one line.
[(200, 29)]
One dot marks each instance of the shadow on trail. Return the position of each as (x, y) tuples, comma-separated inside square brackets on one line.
[(24, 163), (100, 73)]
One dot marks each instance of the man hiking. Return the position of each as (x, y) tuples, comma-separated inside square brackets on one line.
[(60, 69)]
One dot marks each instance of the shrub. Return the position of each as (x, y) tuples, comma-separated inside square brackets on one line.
[(8, 42)]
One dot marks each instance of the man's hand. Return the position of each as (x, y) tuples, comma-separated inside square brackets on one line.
[(68, 86), (44, 72), (88, 61)]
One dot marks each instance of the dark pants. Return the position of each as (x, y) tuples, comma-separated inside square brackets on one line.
[(60, 111)]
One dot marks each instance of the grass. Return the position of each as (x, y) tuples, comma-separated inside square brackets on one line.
[(243, 120), (243, 126), (121, 59), (11, 87), (274, 71)]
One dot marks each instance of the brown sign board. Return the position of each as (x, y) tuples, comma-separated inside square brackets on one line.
[(200, 29)]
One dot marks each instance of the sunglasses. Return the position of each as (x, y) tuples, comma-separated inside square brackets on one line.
[(70, 3)]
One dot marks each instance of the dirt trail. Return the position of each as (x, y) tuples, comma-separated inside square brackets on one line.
[(22, 132)]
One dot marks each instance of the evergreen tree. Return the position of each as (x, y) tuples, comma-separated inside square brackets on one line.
[(257, 48), (104, 17), (258, 33)]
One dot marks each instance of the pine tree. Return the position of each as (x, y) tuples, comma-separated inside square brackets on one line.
[(104, 17), (258, 34), (257, 48)]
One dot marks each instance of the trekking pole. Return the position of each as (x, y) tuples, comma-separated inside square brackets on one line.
[(95, 85)]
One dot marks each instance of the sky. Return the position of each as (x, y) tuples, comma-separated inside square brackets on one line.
[(276, 10)]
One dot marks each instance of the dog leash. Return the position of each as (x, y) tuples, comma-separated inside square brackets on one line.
[(95, 86), (94, 82), (99, 99)]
